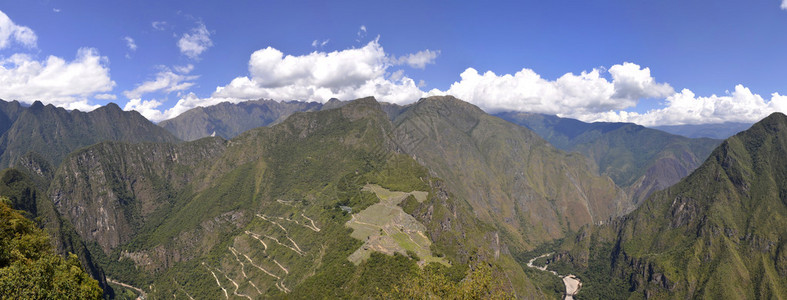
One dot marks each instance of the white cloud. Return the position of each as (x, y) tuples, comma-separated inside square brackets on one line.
[(570, 95), (159, 25), (317, 76), (184, 69), (54, 80), (147, 108), (417, 60), (361, 33), (317, 43), (10, 32), (741, 105), (784, 4), (57, 10), (130, 43), (105, 96), (194, 43), (166, 81)]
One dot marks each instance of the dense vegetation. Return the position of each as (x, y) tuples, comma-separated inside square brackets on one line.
[(29, 268)]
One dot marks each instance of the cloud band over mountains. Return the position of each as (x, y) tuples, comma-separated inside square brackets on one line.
[(596, 95), (600, 94)]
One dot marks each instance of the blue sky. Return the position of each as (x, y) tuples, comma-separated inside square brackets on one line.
[(649, 62)]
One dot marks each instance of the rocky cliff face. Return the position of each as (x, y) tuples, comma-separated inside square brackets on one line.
[(25, 196), (111, 190)]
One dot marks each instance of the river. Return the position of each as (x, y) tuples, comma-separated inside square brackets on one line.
[(571, 282)]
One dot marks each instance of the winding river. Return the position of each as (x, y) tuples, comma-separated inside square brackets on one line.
[(571, 282)]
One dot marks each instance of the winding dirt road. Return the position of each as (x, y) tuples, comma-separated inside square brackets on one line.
[(571, 282)]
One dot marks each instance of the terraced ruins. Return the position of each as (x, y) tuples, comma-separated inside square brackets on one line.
[(385, 227)]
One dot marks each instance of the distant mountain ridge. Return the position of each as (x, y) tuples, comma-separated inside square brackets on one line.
[(228, 120), (640, 160), (714, 131)]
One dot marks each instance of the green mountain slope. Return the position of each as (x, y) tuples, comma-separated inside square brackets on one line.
[(717, 234), (9, 112), (638, 159), (532, 192), (54, 132), (266, 214)]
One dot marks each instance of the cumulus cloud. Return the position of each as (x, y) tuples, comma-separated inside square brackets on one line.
[(417, 60), (192, 44), (570, 95), (55, 80), (147, 108), (740, 105), (166, 80), (10, 32), (784, 4), (317, 76)]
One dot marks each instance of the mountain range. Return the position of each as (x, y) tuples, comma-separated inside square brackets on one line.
[(640, 160), (363, 199)]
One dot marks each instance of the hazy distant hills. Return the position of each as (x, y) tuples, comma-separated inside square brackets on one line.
[(717, 234), (715, 131), (228, 120), (638, 159)]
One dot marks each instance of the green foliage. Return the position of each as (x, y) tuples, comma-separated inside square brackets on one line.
[(29, 269), (480, 282)]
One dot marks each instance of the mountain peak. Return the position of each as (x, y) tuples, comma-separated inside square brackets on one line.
[(37, 105), (113, 107)]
